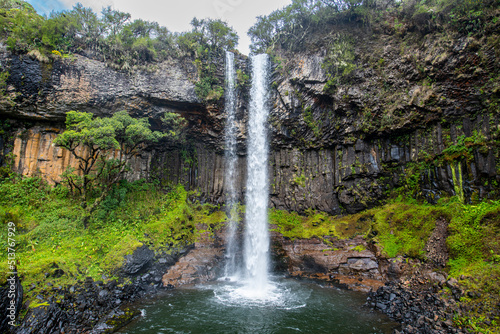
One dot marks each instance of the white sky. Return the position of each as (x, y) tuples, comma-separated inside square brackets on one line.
[(176, 14)]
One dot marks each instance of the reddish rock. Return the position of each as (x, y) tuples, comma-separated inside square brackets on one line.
[(198, 266), (347, 262)]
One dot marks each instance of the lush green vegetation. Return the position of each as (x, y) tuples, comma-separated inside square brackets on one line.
[(92, 141), (52, 243), (206, 43), (112, 37), (290, 28), (402, 227)]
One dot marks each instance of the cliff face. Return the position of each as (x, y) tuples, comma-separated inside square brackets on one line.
[(419, 111), (35, 154), (49, 90)]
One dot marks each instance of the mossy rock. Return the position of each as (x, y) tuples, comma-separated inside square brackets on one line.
[(117, 319), (116, 256)]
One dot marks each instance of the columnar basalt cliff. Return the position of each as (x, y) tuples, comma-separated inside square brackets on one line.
[(411, 97), (407, 102), (48, 90)]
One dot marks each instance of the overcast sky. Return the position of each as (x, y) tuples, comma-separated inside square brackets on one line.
[(176, 14)]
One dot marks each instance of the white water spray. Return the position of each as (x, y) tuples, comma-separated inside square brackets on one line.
[(256, 247), (231, 161)]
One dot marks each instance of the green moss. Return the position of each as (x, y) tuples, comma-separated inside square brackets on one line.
[(403, 229), (119, 320), (300, 180), (35, 305), (359, 248), (115, 257), (51, 243), (456, 172), (318, 224), (313, 124), (209, 223)]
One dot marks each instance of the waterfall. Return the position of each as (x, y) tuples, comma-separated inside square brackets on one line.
[(231, 161), (256, 246)]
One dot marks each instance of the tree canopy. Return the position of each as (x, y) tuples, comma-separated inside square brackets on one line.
[(207, 42), (289, 27), (103, 148), (109, 36)]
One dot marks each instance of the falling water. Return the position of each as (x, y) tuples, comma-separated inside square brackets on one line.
[(231, 160), (256, 247), (256, 304)]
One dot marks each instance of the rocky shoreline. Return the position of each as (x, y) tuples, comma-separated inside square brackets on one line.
[(97, 307), (419, 305), (88, 306)]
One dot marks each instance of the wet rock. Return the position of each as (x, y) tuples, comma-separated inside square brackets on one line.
[(415, 305), (11, 301), (115, 320), (452, 283), (362, 264), (138, 260), (436, 277), (44, 319)]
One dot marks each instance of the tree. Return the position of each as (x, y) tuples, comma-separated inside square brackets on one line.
[(207, 42), (113, 21), (90, 27), (94, 142), (289, 27)]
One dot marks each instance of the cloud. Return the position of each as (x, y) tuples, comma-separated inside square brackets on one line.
[(96, 5)]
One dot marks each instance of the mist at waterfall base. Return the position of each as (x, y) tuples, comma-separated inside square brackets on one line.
[(247, 299)]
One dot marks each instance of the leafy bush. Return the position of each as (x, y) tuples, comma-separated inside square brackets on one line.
[(339, 61), (51, 238), (110, 37), (207, 42)]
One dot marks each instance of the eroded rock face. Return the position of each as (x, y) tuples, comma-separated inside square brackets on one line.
[(48, 91), (345, 262), (395, 109), (335, 150), (200, 265), (11, 301)]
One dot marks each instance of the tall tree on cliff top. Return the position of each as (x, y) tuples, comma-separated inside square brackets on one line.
[(103, 148)]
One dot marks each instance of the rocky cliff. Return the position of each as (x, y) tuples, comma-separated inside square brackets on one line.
[(418, 111), (416, 108)]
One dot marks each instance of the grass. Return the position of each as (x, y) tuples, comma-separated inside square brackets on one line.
[(52, 244), (402, 227)]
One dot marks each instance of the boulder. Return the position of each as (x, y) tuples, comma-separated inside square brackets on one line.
[(138, 260)]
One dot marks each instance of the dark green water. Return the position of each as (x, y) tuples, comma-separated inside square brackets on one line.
[(288, 307)]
